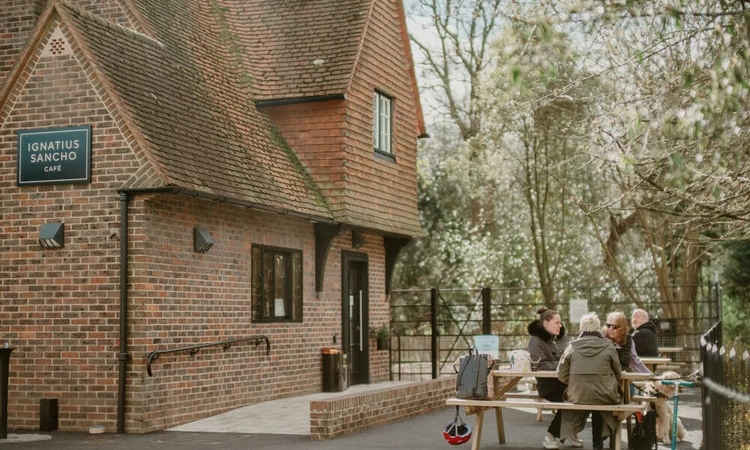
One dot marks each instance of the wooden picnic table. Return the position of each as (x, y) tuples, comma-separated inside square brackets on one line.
[(652, 361), (670, 350), (505, 379)]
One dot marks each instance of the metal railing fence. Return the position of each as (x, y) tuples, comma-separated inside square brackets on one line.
[(725, 392), (436, 326)]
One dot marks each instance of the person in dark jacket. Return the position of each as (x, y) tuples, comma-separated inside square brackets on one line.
[(591, 368), (644, 334), (546, 346)]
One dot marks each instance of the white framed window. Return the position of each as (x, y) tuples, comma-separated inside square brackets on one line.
[(382, 106)]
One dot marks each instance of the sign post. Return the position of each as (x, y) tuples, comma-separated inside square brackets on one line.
[(488, 344)]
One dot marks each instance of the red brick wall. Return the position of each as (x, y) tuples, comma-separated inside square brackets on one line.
[(17, 18), (60, 307), (180, 298), (316, 132), (353, 413)]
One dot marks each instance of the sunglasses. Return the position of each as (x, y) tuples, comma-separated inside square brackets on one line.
[(613, 326)]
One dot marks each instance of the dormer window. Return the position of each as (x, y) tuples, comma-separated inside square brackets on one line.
[(382, 136)]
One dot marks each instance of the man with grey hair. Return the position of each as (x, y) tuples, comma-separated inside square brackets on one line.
[(591, 369), (644, 334)]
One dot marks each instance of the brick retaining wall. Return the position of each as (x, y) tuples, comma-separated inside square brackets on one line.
[(352, 413)]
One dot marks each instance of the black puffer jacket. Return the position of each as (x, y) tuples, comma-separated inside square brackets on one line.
[(645, 340), (545, 351)]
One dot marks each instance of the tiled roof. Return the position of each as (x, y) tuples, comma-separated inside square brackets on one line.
[(298, 48), (189, 98)]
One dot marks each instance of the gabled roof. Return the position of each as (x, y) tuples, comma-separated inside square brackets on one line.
[(186, 79), (191, 115), (306, 49), (299, 48)]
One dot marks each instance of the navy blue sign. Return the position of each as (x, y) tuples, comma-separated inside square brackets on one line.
[(54, 156)]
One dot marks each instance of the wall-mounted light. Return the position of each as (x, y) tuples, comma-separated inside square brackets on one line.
[(52, 235), (202, 240), (358, 240)]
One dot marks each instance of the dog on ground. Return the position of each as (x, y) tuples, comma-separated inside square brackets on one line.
[(664, 394)]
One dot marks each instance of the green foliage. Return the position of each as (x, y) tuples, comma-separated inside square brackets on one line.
[(614, 142), (381, 332)]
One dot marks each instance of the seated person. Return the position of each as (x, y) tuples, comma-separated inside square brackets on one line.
[(546, 344), (644, 334), (591, 369), (617, 331)]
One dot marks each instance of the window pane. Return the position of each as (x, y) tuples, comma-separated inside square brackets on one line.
[(297, 285), (376, 120), (268, 290), (386, 113), (257, 280), (277, 288), (382, 123), (282, 305)]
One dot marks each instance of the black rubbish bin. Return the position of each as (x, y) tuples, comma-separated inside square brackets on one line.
[(332, 381)]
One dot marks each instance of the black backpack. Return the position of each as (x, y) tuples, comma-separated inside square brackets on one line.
[(644, 431)]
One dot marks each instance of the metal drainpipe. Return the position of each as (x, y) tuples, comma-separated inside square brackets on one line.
[(123, 356)]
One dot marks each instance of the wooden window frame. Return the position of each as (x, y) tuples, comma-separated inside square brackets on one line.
[(264, 279)]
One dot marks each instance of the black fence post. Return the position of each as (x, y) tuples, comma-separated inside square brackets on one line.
[(712, 402), (487, 310), (435, 332)]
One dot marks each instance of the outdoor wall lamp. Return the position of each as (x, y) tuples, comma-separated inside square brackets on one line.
[(202, 240), (52, 235)]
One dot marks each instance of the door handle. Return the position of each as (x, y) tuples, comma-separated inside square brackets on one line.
[(361, 313)]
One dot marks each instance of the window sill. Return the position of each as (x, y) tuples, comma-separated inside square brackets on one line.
[(385, 156)]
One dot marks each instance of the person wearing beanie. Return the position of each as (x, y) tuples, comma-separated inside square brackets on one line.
[(591, 369)]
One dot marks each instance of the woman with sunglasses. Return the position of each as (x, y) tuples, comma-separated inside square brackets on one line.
[(616, 330), (546, 346)]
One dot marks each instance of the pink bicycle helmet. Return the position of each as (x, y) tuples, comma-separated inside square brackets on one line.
[(457, 432)]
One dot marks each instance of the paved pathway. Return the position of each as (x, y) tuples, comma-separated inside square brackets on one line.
[(260, 425)]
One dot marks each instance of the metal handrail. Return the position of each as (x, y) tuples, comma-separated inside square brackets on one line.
[(193, 349)]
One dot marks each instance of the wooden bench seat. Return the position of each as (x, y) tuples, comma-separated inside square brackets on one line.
[(674, 367), (532, 395), (620, 411)]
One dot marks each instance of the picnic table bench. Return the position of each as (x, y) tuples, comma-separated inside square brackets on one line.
[(505, 380), (620, 412)]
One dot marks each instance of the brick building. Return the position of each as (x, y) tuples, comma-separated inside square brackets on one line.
[(187, 172)]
